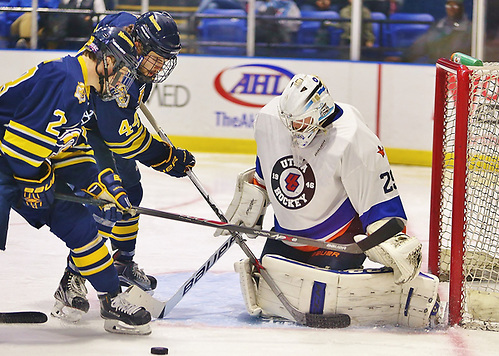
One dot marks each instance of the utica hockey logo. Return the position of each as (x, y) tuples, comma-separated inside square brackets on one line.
[(293, 187)]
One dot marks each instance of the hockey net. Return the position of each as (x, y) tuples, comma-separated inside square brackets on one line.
[(464, 211)]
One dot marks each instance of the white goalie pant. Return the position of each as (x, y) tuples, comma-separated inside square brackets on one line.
[(370, 297)]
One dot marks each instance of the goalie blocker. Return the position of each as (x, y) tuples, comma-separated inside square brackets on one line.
[(369, 296)]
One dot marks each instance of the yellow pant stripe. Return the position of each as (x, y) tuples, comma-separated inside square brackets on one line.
[(101, 267), (91, 258), (88, 246)]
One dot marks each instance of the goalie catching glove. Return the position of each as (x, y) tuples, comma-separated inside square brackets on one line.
[(249, 204), (108, 187), (401, 252), (177, 163)]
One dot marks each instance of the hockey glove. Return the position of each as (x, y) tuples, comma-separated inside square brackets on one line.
[(108, 187), (177, 163), (249, 204), (38, 193), (401, 252)]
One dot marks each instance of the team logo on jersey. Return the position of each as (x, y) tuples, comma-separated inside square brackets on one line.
[(80, 93), (293, 187), (122, 96)]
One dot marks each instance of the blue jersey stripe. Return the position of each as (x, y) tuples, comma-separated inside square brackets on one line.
[(335, 222), (391, 208)]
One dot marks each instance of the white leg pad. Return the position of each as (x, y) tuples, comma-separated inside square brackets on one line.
[(369, 296), (248, 286)]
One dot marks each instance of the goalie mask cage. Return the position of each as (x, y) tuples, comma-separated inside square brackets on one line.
[(464, 208)]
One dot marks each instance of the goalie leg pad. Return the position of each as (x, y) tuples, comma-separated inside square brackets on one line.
[(248, 286), (369, 296)]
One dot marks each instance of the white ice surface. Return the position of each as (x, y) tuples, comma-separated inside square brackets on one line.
[(211, 318)]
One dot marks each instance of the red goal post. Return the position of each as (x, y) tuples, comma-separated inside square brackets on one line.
[(464, 207)]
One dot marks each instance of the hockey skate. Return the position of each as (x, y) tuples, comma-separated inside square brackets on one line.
[(130, 274), (70, 298), (123, 317)]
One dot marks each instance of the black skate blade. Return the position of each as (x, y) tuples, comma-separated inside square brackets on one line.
[(327, 321), (27, 317)]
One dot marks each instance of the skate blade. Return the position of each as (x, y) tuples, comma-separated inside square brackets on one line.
[(119, 327), (65, 313)]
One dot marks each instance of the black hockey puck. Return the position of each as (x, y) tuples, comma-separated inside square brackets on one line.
[(159, 350)]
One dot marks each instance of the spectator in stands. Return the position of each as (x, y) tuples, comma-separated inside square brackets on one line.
[(450, 34), (220, 4), (387, 7), (316, 5), (492, 32), (74, 26), (20, 29), (367, 27), (277, 31)]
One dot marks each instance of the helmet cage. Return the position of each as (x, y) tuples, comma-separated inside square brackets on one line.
[(157, 32), (148, 72)]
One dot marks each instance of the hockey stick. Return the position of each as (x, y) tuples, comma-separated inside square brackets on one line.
[(313, 320), (360, 247), (25, 317), (159, 309), (391, 228), (175, 299)]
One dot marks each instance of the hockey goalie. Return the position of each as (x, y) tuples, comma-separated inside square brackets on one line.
[(327, 177)]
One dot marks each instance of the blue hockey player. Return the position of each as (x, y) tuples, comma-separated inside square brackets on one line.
[(119, 139), (42, 145)]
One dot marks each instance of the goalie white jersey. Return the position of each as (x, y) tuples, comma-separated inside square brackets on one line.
[(345, 174)]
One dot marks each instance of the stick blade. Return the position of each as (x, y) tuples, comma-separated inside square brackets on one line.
[(137, 296), (327, 321), (27, 317)]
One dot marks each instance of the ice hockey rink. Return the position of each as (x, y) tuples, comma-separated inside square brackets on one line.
[(211, 318)]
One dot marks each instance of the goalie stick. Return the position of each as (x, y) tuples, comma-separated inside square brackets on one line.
[(392, 227), (23, 317)]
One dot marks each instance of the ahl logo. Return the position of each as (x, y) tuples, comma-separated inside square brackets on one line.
[(251, 84)]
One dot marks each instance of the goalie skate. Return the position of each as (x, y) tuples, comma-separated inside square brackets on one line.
[(70, 298), (123, 317), (130, 274)]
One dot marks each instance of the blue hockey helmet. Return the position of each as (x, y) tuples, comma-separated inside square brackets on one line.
[(157, 32), (113, 42)]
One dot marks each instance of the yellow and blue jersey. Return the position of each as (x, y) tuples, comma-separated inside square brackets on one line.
[(119, 126), (118, 122), (40, 107)]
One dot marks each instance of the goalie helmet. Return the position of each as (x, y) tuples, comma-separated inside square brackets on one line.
[(157, 32), (303, 107), (113, 42)]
